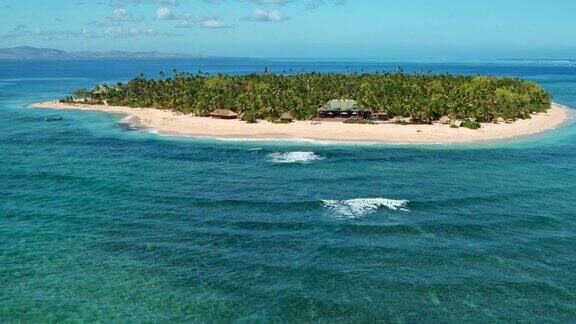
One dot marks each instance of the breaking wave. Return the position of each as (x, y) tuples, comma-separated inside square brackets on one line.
[(356, 208), (293, 157)]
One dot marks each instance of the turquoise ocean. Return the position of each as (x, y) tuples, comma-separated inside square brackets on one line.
[(101, 222)]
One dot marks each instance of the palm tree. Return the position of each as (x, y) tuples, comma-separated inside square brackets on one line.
[(423, 96)]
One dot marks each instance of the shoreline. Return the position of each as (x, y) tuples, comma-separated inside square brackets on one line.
[(166, 122)]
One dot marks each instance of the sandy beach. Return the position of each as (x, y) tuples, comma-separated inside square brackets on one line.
[(172, 123)]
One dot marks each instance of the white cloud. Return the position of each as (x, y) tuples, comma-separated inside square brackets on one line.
[(164, 13), (310, 4), (213, 23), (188, 21), (122, 14), (23, 31), (86, 33), (125, 3), (119, 16), (263, 2), (314, 4), (117, 32), (266, 16), (278, 2)]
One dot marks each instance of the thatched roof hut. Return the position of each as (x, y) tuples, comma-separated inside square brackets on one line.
[(223, 114), (341, 105), (287, 117), (343, 108), (445, 120)]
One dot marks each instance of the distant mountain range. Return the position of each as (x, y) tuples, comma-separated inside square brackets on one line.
[(33, 53)]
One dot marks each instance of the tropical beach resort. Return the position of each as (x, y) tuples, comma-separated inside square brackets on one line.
[(382, 107)]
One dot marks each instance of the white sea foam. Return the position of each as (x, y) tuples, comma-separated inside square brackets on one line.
[(130, 121), (155, 132), (293, 157), (356, 208), (126, 119), (255, 149)]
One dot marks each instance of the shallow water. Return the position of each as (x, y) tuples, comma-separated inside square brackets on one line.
[(101, 222)]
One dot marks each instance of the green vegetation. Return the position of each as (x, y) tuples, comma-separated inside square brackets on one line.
[(424, 97), (360, 121), (83, 96), (87, 101), (250, 117), (279, 121), (470, 124)]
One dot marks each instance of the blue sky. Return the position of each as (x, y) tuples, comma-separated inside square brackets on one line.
[(415, 29)]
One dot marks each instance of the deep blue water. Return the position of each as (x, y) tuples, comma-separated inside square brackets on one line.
[(99, 222)]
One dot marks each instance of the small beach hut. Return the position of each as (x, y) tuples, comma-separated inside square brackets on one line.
[(287, 117), (445, 120), (224, 114), (343, 109)]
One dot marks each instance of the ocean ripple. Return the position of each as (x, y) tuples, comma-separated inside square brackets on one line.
[(293, 157), (357, 208)]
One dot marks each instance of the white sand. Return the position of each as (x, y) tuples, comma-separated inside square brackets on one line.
[(172, 123)]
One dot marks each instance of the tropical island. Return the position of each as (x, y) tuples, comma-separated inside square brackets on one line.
[(384, 107)]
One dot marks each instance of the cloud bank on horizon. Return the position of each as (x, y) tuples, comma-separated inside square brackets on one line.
[(297, 28)]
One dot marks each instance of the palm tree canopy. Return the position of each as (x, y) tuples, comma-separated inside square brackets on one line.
[(424, 97)]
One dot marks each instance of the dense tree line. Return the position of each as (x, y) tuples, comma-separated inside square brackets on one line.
[(425, 97)]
